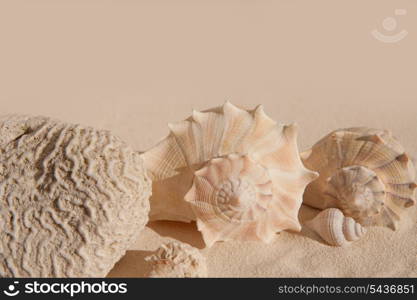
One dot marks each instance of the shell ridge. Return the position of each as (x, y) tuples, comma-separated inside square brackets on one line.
[(197, 134), (335, 228), (258, 152), (165, 164), (229, 144), (183, 135), (400, 200), (253, 139), (210, 123)]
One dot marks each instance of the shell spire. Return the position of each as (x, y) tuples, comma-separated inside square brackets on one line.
[(363, 171), (234, 159), (334, 228)]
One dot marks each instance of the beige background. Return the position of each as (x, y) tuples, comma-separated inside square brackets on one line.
[(133, 66)]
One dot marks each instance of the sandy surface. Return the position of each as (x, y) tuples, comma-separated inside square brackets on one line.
[(133, 66), (380, 253)]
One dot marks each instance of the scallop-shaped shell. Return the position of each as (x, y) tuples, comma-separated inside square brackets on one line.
[(208, 147), (365, 172), (335, 228), (72, 198), (177, 260)]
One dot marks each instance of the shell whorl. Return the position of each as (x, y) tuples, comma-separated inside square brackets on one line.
[(360, 192), (336, 229), (365, 172), (235, 185), (233, 197), (218, 136)]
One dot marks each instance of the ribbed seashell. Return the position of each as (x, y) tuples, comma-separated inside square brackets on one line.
[(365, 172), (239, 171), (177, 260), (72, 198), (336, 229)]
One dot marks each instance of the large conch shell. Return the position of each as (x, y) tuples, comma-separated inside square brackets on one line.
[(177, 260), (365, 172), (239, 172), (335, 228)]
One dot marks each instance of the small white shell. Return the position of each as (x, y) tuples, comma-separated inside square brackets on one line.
[(177, 260), (221, 148), (364, 172), (335, 228)]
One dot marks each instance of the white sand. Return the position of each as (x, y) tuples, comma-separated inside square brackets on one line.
[(381, 253), (132, 68)]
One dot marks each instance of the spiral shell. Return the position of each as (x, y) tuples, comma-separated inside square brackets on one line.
[(364, 172), (72, 198), (336, 229), (177, 260), (239, 172)]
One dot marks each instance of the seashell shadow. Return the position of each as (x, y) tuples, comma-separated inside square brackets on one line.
[(125, 268), (305, 214), (183, 232), (188, 232)]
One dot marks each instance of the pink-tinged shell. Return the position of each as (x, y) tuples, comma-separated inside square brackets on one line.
[(364, 172), (178, 166), (235, 198)]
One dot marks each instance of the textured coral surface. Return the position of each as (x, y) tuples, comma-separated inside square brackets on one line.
[(72, 198)]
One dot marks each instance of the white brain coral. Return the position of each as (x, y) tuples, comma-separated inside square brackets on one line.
[(72, 198)]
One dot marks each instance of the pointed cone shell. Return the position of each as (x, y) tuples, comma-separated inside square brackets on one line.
[(364, 172), (215, 133), (336, 229)]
